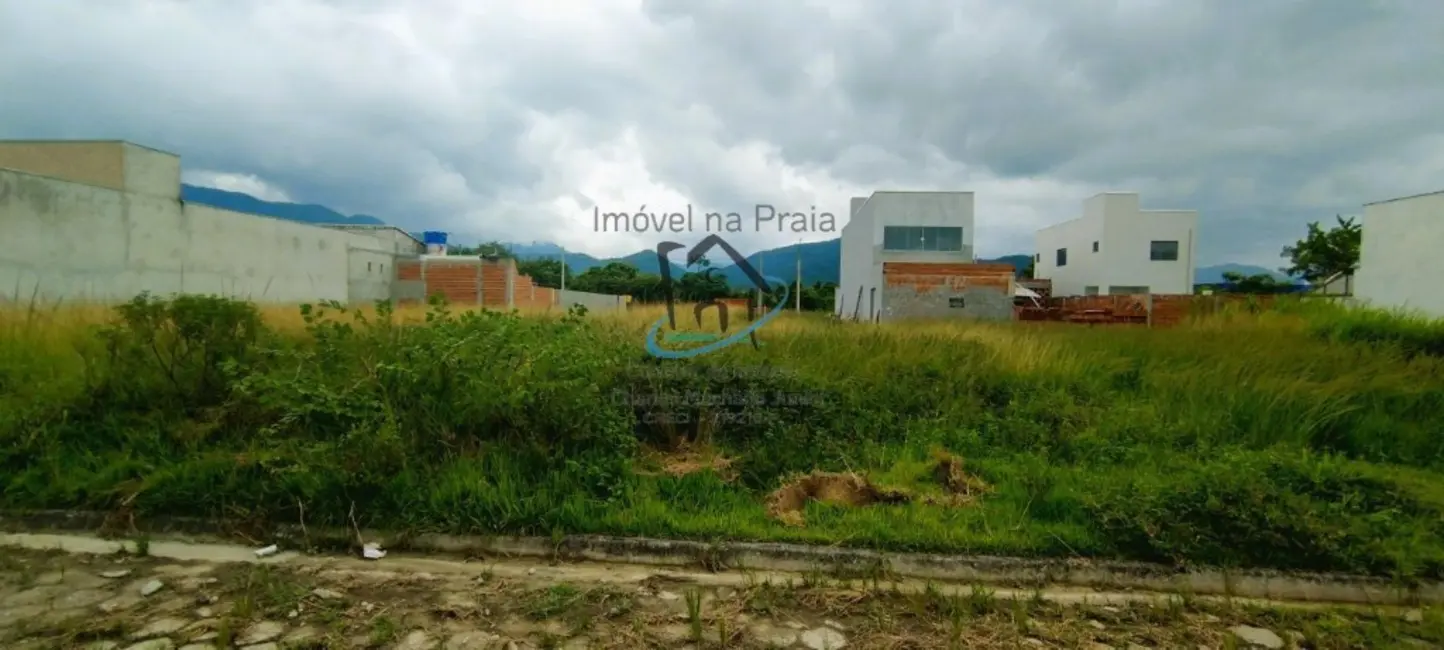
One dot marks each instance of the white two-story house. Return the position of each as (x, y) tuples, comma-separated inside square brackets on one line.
[(1115, 248), (898, 227)]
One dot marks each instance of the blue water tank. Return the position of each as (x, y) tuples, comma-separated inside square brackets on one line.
[(433, 237)]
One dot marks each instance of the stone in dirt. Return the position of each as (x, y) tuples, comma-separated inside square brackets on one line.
[(824, 638), (154, 644), (1257, 637), (416, 640), (773, 636), (113, 575), (261, 632), (261, 646), (327, 594), (474, 640), (159, 627), (151, 587)]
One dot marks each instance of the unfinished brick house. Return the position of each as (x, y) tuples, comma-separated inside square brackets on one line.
[(464, 280), (946, 290)]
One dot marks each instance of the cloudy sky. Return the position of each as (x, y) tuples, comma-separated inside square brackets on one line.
[(502, 119)]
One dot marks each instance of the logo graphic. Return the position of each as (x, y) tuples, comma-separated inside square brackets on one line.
[(717, 342)]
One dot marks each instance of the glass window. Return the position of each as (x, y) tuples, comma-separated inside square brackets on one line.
[(1095, 246), (922, 238), (895, 238), (950, 239), (1061, 257), (1165, 251)]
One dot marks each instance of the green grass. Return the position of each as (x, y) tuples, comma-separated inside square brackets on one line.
[(1307, 437)]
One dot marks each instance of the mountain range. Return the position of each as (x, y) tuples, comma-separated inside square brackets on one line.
[(821, 261)]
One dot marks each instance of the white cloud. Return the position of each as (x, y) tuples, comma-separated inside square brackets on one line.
[(243, 183), (508, 120)]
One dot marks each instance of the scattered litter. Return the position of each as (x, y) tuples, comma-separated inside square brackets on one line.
[(151, 587), (268, 551), (531, 571), (118, 573), (372, 551)]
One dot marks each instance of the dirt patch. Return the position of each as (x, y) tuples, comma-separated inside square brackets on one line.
[(847, 489), (689, 459), (963, 488)]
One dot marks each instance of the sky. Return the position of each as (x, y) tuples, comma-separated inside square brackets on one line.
[(515, 120)]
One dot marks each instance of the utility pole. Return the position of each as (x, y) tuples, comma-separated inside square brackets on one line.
[(798, 302), (762, 271), (564, 269)]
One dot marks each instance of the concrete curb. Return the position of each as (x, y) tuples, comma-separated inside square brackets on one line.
[(1016, 573)]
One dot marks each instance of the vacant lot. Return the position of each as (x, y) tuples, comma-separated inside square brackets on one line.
[(1304, 438)]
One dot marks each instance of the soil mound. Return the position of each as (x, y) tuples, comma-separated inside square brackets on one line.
[(845, 489)]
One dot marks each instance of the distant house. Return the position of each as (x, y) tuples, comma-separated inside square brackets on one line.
[(1399, 258), (1115, 248), (911, 254)]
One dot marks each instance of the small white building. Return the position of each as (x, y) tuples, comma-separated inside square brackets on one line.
[(1115, 248), (898, 227), (1399, 258)]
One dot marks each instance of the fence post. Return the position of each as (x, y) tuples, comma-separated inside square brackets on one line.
[(1148, 303)]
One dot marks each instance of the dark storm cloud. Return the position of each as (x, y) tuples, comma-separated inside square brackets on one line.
[(510, 120)]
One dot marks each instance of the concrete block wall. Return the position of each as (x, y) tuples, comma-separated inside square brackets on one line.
[(62, 240), (942, 290)]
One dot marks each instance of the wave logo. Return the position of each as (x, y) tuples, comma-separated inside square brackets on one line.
[(711, 342)]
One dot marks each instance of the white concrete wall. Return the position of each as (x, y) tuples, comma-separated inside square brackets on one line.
[(1400, 265), (390, 238), (1085, 268), (151, 172), (371, 273), (592, 301), (1124, 234), (862, 240), (69, 241)]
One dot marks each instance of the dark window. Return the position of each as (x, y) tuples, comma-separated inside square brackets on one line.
[(1164, 251), (955, 303), (1037, 257), (368, 267), (1090, 291), (1095, 247), (922, 238), (1061, 258)]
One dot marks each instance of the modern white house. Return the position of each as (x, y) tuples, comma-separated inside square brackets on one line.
[(898, 227), (1399, 261), (1115, 248)]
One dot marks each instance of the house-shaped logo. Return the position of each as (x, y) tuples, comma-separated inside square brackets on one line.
[(714, 342)]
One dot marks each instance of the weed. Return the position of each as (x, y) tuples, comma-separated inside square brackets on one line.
[(1304, 437)]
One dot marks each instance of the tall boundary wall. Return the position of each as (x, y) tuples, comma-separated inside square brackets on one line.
[(61, 240), (102, 221), (592, 301)]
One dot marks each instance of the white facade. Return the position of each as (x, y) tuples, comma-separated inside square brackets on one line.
[(939, 229), (1117, 248), (1399, 261)]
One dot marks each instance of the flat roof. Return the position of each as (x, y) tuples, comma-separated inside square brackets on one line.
[(372, 226), (1406, 198), (96, 141)]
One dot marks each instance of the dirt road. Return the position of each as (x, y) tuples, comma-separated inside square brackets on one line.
[(162, 596)]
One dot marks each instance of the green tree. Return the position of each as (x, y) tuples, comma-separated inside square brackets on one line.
[(1322, 253), (1254, 284), (545, 272)]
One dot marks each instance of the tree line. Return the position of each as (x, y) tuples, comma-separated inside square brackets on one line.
[(620, 278)]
